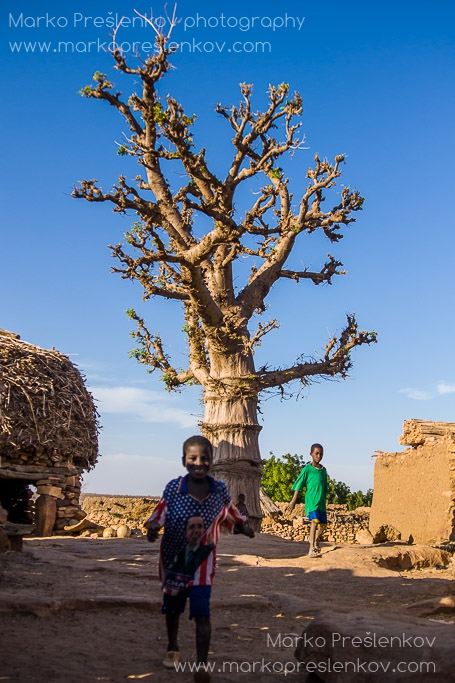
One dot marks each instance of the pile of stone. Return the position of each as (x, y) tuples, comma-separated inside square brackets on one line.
[(344, 526), (66, 491), (112, 513)]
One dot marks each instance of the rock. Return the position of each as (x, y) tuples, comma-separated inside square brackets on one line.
[(13, 529), (434, 606), (385, 533), (364, 537), (50, 481), (83, 525), (4, 541), (3, 515), (123, 531), (358, 647), (45, 514), (109, 532), (69, 511), (410, 557), (55, 491)]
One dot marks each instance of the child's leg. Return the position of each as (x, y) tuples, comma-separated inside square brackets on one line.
[(313, 534), (173, 607), (200, 612), (172, 626), (203, 633), (318, 534)]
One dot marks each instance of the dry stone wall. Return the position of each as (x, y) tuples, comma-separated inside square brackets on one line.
[(343, 526), (56, 502), (115, 511)]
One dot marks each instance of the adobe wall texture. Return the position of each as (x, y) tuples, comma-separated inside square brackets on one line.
[(414, 491)]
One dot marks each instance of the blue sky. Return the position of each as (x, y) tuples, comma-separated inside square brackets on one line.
[(377, 84)]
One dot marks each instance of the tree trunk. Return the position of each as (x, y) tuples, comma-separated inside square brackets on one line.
[(231, 424)]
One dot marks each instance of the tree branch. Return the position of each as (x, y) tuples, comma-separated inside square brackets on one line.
[(150, 353), (261, 331), (336, 361), (324, 275)]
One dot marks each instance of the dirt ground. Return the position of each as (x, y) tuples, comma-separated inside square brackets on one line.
[(77, 610)]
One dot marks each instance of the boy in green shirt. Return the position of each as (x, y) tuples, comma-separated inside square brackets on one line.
[(314, 478)]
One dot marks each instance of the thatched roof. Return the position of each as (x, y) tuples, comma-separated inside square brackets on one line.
[(45, 410)]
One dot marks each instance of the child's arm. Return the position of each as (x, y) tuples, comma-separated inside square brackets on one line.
[(299, 484), (156, 521), (291, 505), (152, 530), (244, 529)]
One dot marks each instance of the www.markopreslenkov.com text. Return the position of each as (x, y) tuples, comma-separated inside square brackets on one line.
[(356, 666), (190, 47)]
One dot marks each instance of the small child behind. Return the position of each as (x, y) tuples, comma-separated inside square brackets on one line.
[(242, 508)]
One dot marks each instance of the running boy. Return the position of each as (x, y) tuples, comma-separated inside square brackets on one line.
[(196, 495), (314, 477)]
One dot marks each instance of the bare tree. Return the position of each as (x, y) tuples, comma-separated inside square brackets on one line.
[(164, 254)]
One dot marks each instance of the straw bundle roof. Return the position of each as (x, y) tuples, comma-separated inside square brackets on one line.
[(46, 412)]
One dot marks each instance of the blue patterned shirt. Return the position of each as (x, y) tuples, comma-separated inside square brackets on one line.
[(177, 506)]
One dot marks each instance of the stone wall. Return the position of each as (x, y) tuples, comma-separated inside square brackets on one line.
[(56, 503), (343, 525), (114, 511), (414, 491)]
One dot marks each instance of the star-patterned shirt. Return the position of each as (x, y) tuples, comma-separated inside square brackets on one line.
[(177, 506)]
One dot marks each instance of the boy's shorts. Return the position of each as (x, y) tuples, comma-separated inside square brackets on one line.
[(318, 516), (199, 601)]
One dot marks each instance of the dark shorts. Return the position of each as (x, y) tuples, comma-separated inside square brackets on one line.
[(318, 516), (199, 597)]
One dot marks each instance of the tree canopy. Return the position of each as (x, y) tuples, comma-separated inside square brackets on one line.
[(166, 253)]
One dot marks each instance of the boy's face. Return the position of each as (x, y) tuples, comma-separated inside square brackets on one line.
[(317, 454), (194, 531), (197, 461)]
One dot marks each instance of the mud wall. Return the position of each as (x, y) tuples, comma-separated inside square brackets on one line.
[(414, 491)]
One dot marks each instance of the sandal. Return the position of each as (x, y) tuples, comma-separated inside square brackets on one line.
[(314, 552), (171, 658)]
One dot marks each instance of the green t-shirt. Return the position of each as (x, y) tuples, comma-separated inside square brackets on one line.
[(315, 481)]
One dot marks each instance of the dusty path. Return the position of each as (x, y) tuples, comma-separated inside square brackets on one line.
[(77, 610)]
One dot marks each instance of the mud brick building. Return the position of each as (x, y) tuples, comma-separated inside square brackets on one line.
[(414, 491)]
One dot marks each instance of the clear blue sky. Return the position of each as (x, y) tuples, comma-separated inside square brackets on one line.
[(377, 81)]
